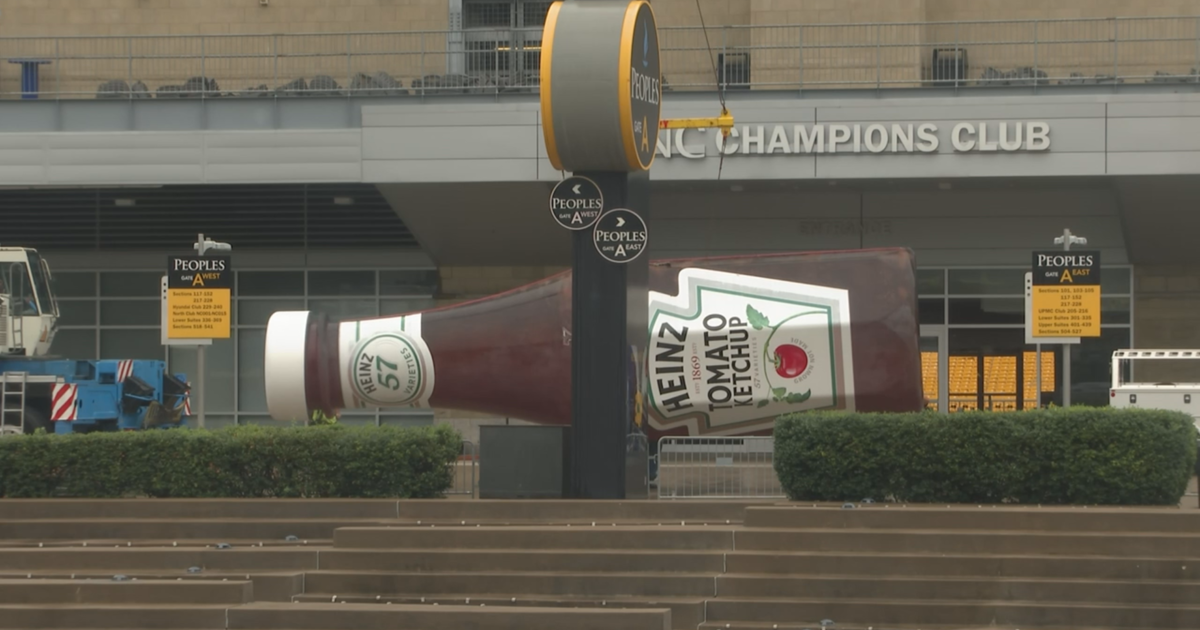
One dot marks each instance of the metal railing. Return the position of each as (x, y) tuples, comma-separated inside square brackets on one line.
[(717, 468), (782, 57), (465, 470)]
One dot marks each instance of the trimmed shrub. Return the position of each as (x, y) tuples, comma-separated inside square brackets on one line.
[(240, 462), (1080, 456)]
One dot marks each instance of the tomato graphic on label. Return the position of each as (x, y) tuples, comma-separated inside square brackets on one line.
[(790, 360)]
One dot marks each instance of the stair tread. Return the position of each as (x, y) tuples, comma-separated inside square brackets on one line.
[(78, 581), (518, 573), (906, 554), (142, 575), (969, 532), (953, 602), (955, 578), (816, 625), (160, 543), (647, 599)]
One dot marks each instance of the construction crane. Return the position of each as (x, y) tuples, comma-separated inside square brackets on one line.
[(60, 395), (723, 121)]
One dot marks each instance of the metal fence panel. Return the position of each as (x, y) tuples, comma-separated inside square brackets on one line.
[(717, 468), (465, 471)]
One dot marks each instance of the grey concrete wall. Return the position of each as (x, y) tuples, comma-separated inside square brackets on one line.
[(469, 140)]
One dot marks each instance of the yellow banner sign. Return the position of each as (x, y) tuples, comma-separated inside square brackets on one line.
[(198, 313), (1066, 311)]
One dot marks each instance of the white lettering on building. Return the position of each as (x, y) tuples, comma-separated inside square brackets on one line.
[(875, 138)]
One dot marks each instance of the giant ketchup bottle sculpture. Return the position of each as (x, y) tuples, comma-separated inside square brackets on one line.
[(733, 343)]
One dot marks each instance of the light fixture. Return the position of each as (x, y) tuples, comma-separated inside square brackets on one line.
[(343, 201), (125, 203)]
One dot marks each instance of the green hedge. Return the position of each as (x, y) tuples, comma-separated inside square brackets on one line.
[(1078, 456), (252, 461)]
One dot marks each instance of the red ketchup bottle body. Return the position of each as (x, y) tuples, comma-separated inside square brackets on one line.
[(733, 343)]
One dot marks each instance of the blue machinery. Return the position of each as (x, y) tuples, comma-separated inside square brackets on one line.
[(40, 391)]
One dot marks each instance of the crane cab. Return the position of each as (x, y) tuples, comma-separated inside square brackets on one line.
[(28, 310)]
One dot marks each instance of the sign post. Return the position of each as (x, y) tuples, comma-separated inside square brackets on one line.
[(601, 89), (197, 304), (1062, 301)]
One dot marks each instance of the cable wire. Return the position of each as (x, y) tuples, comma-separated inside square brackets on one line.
[(716, 77)]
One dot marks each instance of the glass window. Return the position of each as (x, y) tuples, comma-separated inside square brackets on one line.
[(258, 312), (212, 422), (130, 313), (218, 372), (1114, 310), (341, 283), (270, 283), (74, 284), (131, 284), (356, 308), (15, 281), (1116, 280), (931, 282), (932, 311), (252, 395), (408, 282), (410, 305), (41, 282), (78, 313), (266, 421), (357, 419), (407, 420), (987, 310), (987, 281), (1091, 366), (131, 344), (75, 343)]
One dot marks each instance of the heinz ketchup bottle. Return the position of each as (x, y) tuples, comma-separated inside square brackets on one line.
[(734, 342)]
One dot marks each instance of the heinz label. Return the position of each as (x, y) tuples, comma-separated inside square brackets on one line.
[(731, 352), (385, 363)]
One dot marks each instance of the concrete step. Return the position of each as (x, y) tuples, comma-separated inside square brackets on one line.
[(984, 518), (572, 510), (309, 616), (268, 587), (1131, 592), (511, 584), (911, 564), (80, 591), (172, 543), (623, 538), (1021, 614), (815, 625), (436, 510), (201, 509), (474, 560), (1157, 545), (159, 558), (113, 617), (686, 613), (129, 529)]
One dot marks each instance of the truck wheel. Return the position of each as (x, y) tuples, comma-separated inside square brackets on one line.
[(36, 419)]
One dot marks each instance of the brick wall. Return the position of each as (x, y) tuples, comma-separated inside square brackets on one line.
[(834, 36), (185, 17), (1167, 316), (844, 48), (238, 63)]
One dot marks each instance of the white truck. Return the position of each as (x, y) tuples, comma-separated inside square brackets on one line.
[(1184, 397)]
